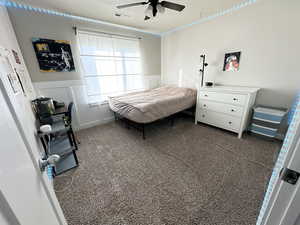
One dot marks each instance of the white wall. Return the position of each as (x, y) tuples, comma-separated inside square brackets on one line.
[(3, 220), (21, 103), (7, 216), (73, 90), (29, 24), (68, 86), (268, 35), (9, 41)]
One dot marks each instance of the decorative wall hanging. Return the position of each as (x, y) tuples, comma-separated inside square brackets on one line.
[(20, 81), (232, 61), (15, 54), (14, 82), (53, 55), (12, 77), (24, 80)]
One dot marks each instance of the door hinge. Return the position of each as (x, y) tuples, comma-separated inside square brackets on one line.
[(289, 176)]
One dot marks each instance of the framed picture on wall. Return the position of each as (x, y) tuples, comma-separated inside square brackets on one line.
[(232, 61), (16, 56), (53, 55)]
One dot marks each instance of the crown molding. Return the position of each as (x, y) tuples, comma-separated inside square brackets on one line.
[(12, 4), (211, 17)]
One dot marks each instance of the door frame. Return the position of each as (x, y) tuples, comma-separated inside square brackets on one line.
[(284, 196), (280, 198), (7, 211), (46, 184)]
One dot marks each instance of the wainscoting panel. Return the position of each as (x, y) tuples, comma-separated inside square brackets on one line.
[(86, 115)]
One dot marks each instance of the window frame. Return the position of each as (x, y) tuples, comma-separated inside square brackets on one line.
[(85, 75)]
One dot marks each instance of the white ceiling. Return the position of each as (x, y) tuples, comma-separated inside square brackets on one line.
[(105, 10)]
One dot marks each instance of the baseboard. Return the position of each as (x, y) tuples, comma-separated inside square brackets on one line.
[(94, 123)]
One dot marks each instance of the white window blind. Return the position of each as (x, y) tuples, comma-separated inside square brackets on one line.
[(111, 65)]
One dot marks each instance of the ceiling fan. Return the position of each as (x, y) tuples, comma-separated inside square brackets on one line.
[(155, 6)]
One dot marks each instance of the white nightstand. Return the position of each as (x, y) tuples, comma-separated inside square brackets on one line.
[(227, 107)]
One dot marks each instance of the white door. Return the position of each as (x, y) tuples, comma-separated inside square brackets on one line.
[(282, 201), (26, 191)]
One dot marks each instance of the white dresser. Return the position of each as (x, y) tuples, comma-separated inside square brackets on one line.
[(227, 107)]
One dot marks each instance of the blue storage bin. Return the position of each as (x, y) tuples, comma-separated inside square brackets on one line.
[(266, 131), (266, 121), (268, 114)]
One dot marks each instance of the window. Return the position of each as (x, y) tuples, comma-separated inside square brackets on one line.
[(111, 65)]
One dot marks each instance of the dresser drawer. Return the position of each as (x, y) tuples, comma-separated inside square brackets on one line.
[(236, 99), (219, 120), (232, 110)]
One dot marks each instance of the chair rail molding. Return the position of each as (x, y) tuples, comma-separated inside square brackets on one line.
[(75, 91)]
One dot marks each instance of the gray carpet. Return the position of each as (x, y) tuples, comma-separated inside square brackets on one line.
[(183, 175)]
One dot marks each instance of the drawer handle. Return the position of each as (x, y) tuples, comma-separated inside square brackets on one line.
[(205, 95), (204, 105), (230, 122), (232, 110), (203, 116), (235, 99)]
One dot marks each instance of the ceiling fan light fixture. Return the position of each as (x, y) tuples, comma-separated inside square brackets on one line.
[(154, 7), (149, 11), (160, 8)]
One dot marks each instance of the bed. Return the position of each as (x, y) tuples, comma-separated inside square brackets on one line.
[(145, 107)]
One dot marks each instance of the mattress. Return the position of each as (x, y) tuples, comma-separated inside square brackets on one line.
[(148, 106)]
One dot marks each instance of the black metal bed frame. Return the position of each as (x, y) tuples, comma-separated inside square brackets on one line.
[(142, 126)]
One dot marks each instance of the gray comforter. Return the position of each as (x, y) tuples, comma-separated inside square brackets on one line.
[(148, 106)]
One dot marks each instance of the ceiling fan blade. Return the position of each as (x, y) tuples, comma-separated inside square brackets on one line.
[(132, 4), (147, 18), (171, 5)]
